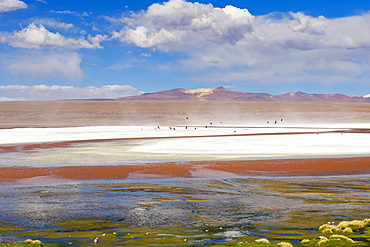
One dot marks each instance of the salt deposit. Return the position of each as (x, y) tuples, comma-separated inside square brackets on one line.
[(40, 135), (195, 142)]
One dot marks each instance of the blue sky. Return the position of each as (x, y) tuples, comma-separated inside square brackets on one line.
[(106, 49)]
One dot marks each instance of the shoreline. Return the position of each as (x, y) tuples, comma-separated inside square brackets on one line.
[(194, 169)]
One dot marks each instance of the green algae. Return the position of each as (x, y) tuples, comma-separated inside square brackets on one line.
[(83, 230), (144, 187), (110, 234), (27, 243), (206, 211), (10, 229), (19, 245), (91, 224)]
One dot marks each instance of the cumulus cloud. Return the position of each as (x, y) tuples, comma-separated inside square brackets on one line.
[(177, 22), (11, 5), (185, 24), (57, 92), (36, 36), (278, 47), (41, 65)]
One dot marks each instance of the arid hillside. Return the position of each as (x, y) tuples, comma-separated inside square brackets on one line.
[(223, 94)]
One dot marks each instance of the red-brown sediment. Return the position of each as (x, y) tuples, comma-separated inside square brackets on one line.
[(276, 167), (33, 147)]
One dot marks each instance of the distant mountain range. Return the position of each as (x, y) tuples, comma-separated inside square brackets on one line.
[(222, 94)]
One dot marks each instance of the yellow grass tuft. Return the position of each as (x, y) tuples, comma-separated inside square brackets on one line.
[(305, 241), (36, 243), (262, 240), (354, 224), (323, 240), (285, 244), (341, 238)]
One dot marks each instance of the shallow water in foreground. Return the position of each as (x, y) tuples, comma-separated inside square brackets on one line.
[(196, 212)]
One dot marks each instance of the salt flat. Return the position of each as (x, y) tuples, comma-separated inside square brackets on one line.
[(109, 145), (37, 135)]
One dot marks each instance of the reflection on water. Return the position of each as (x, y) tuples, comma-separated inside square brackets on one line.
[(213, 210)]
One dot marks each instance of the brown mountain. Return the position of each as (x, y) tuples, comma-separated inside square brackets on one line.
[(173, 94), (222, 94)]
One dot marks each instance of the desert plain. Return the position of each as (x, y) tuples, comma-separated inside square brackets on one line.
[(203, 173)]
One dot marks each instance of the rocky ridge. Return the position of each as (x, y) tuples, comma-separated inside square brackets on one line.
[(223, 94)]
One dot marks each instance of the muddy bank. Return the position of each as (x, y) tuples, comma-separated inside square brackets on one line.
[(196, 169)]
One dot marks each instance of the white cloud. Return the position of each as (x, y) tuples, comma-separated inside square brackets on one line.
[(35, 36), (284, 47), (4, 37), (57, 92), (96, 40), (64, 12), (177, 22), (119, 66), (212, 59), (68, 12), (11, 5), (41, 65), (9, 99), (48, 22), (180, 23), (144, 54)]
